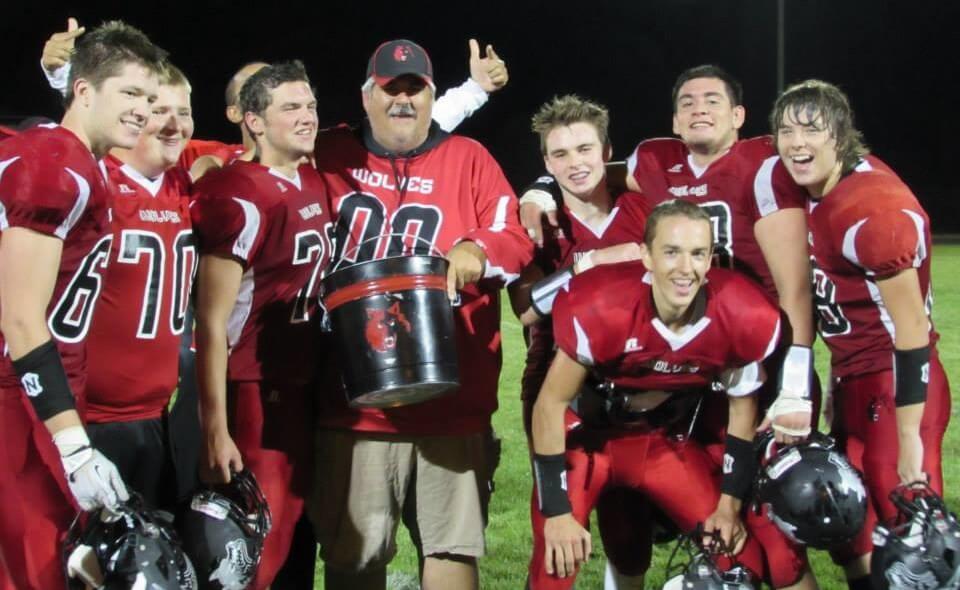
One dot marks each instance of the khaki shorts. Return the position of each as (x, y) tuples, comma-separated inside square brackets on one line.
[(365, 483)]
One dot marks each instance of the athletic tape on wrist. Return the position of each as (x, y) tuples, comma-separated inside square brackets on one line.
[(544, 292), (796, 375), (540, 198), (739, 467), (788, 405), (45, 381), (911, 374), (550, 472)]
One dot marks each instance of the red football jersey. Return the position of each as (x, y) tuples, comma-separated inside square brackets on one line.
[(276, 227), (51, 183), (625, 223), (196, 148), (450, 189), (606, 320), (134, 342), (870, 225), (749, 182)]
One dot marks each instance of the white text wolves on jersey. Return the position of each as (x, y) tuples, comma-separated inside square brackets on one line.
[(160, 216), (661, 366), (688, 191), (311, 210), (414, 184)]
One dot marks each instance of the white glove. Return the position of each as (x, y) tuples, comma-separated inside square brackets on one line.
[(94, 480)]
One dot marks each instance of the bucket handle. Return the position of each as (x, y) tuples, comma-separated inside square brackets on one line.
[(433, 249)]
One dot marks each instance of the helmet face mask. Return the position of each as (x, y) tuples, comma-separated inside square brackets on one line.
[(920, 549), (813, 494), (134, 548), (223, 529), (700, 571)]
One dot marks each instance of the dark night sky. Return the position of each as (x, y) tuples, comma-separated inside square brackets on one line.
[(895, 58)]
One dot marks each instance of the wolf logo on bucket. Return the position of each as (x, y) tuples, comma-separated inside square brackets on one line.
[(236, 569), (382, 327)]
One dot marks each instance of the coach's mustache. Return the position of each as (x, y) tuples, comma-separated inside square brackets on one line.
[(403, 110)]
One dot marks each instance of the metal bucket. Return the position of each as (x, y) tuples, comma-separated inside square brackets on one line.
[(393, 327)]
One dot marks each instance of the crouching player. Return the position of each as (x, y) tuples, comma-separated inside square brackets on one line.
[(660, 334)]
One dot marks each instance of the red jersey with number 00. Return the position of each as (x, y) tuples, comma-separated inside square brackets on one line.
[(449, 190)]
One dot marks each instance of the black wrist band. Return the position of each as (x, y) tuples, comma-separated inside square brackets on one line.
[(546, 184), (739, 467), (550, 472), (911, 373), (45, 381), (544, 291)]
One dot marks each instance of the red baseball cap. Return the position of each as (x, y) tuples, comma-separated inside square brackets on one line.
[(397, 58)]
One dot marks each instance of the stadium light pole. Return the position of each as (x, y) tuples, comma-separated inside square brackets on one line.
[(781, 18)]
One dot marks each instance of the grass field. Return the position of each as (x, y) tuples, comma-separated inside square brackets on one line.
[(508, 534)]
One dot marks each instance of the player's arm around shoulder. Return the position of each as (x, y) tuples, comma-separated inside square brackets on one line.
[(498, 233)]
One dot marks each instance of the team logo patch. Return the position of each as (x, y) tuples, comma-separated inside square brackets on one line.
[(31, 384), (383, 326), (235, 569), (402, 53)]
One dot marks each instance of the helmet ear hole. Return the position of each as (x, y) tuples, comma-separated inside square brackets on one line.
[(813, 494), (223, 529)]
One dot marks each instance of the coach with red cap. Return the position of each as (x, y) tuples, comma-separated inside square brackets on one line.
[(429, 464)]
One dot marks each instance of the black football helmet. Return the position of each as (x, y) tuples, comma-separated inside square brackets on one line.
[(812, 493), (697, 568), (223, 529), (133, 547), (920, 549)]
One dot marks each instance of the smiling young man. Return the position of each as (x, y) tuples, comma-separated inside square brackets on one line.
[(871, 249), (660, 333), (429, 464), (54, 247), (575, 144), (261, 228), (134, 341)]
